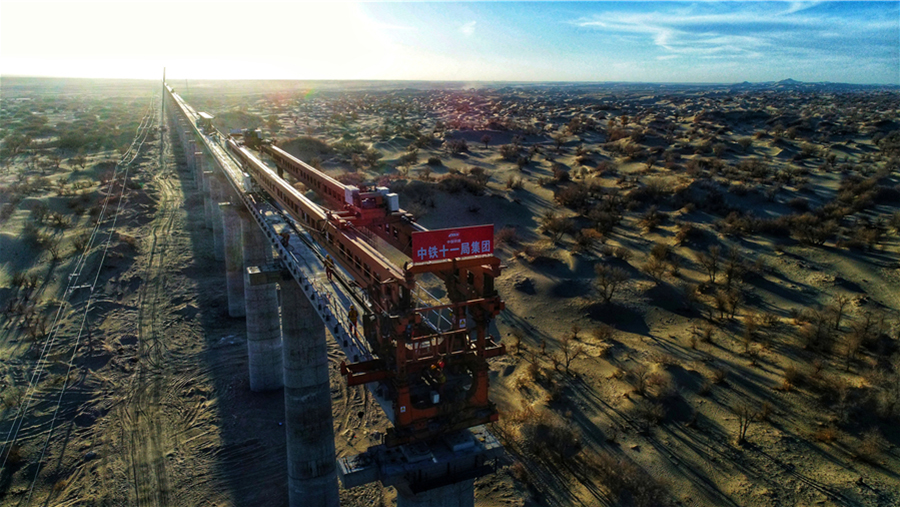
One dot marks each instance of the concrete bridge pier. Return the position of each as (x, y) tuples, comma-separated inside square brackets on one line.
[(312, 477), (460, 494), (234, 258), (217, 222), (208, 198), (189, 150), (261, 306), (199, 167)]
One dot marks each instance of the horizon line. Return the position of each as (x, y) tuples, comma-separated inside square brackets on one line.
[(702, 83)]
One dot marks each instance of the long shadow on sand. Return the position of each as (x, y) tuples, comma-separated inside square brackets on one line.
[(621, 317), (251, 458)]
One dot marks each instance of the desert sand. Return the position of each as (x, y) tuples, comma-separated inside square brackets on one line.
[(702, 289)]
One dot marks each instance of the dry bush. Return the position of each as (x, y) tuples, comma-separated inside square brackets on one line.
[(792, 377), (514, 183), (639, 378), (80, 241), (507, 236), (585, 239), (765, 412), (655, 269), (622, 253), (574, 196), (627, 483), (128, 239), (454, 183), (609, 280), (649, 414), (544, 436), (709, 260), (652, 218), (14, 456), (706, 333), (603, 333), (660, 251), (870, 447), (826, 434), (12, 397), (745, 416), (556, 225), (718, 375), (811, 229), (817, 333)]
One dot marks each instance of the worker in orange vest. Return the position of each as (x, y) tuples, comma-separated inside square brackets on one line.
[(352, 315), (329, 266)]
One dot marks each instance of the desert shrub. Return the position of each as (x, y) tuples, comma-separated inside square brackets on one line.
[(507, 236), (811, 229), (585, 239), (556, 225), (718, 375), (870, 447), (456, 146), (354, 178), (655, 268), (799, 204), (435, 161), (573, 196), (606, 167), (560, 173), (639, 378), (627, 483), (604, 220), (660, 251), (347, 147), (609, 280), (514, 183), (649, 413), (792, 377), (710, 261), (479, 176), (603, 333), (825, 434), (409, 158), (509, 152), (39, 212), (745, 416), (547, 438), (455, 183), (816, 333), (622, 253), (687, 232), (652, 218)]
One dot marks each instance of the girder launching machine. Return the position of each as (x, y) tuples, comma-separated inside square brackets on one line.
[(428, 357)]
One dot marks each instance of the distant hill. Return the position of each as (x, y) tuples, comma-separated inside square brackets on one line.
[(792, 84)]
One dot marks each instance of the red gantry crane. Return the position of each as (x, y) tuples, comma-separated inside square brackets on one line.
[(428, 357)]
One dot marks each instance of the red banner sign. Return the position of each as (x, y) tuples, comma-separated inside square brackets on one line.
[(452, 243)]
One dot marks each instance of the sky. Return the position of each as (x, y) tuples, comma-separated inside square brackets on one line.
[(672, 42)]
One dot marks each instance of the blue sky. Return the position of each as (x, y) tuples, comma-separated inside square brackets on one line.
[(857, 42)]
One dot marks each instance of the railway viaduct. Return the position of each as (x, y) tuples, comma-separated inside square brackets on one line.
[(279, 287)]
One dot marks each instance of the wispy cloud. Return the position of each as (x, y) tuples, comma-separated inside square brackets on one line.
[(468, 29), (743, 30)]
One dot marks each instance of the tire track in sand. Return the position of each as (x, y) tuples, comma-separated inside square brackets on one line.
[(145, 429)]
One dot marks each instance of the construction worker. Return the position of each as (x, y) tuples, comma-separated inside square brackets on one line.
[(352, 315), (329, 266), (285, 238)]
